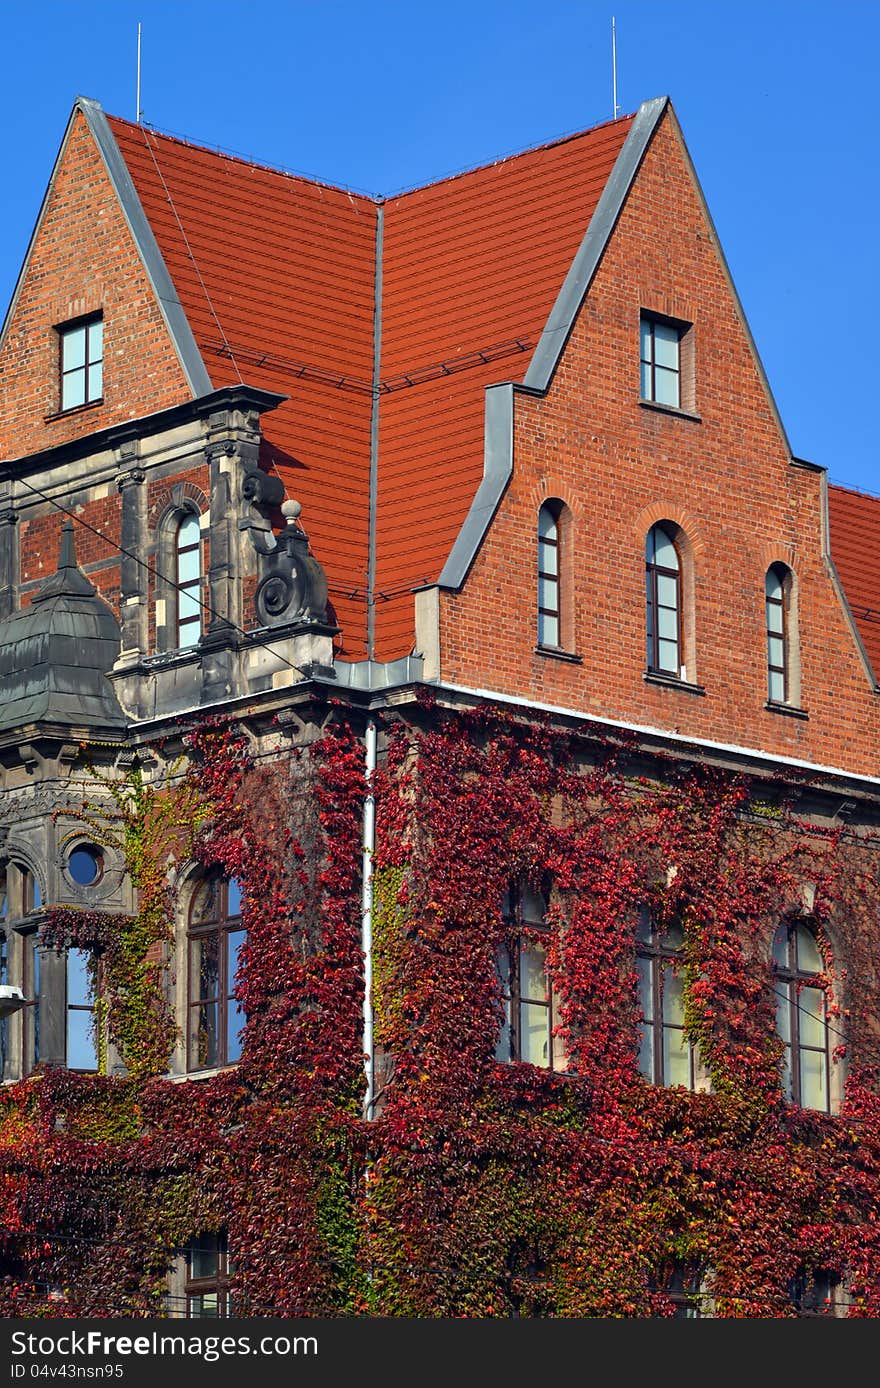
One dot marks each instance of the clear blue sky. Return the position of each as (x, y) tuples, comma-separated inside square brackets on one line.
[(777, 100)]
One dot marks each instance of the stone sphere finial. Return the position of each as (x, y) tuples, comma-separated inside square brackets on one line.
[(291, 510)]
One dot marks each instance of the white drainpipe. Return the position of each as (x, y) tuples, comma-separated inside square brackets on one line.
[(369, 846)]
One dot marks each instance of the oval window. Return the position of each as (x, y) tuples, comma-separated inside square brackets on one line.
[(85, 865)]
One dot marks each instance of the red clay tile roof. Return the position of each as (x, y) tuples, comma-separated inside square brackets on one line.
[(276, 275), (854, 523)]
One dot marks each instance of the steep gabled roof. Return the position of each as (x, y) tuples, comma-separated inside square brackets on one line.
[(854, 523), (278, 277)]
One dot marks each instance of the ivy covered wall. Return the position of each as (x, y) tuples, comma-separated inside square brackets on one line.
[(479, 1188)]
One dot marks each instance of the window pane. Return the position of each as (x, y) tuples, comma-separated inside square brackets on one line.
[(667, 623), (645, 381), (79, 992), (36, 895), (73, 390), (646, 1053), (96, 341), (666, 345), (204, 1306), (676, 1057), (776, 686), (73, 349), (205, 966), (783, 1011), (82, 1053), (667, 591), (775, 651), (233, 897), (809, 960), (547, 558), (814, 1087), (780, 947), (533, 909), (189, 531), (234, 1026), (546, 523), (188, 608), (532, 977), (773, 585), (96, 382), (204, 1258), (774, 617), (188, 566), (234, 941), (673, 998), (644, 930), (646, 992), (548, 630), (666, 387), (203, 1037), (811, 1017), (665, 553), (667, 657), (548, 593), (535, 1034), (645, 329)]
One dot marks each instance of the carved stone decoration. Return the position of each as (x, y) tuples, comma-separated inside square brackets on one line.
[(262, 488), (293, 585)]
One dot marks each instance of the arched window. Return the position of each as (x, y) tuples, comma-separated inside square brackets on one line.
[(777, 604), (188, 578), (530, 1006), (802, 1016), (663, 595), (549, 610), (216, 935), (666, 1056)]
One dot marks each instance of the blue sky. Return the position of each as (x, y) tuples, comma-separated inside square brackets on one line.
[(777, 100)]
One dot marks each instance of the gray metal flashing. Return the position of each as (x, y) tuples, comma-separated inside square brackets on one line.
[(770, 759), (831, 570), (580, 275), (719, 251), (498, 454), (497, 471), (374, 434), (176, 321)]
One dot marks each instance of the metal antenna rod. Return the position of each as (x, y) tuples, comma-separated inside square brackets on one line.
[(137, 114), (614, 65)]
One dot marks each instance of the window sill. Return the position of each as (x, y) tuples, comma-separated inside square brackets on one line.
[(557, 653), (202, 1074), (788, 710), (76, 409), (671, 409), (671, 682)]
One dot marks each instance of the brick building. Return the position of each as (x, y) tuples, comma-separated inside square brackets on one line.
[(500, 446)]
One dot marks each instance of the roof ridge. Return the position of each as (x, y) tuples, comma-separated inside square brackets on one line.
[(238, 158), (352, 191)]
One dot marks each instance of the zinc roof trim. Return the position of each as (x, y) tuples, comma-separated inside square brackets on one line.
[(170, 306)]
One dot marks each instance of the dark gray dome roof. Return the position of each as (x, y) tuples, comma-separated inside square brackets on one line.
[(55, 654)]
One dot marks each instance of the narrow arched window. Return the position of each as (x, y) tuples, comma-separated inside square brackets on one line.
[(530, 1002), (666, 1056), (216, 935), (549, 606), (188, 580), (802, 1016), (777, 589), (663, 595)]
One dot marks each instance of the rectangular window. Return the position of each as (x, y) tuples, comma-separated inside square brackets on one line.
[(216, 936), (207, 1278), (82, 362), (666, 362), (82, 1043)]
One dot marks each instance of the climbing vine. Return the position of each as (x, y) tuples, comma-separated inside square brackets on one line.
[(477, 1188)]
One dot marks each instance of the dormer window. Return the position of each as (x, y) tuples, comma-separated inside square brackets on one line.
[(82, 359)]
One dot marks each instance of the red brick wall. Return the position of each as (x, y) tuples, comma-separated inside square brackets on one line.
[(619, 466), (83, 259)]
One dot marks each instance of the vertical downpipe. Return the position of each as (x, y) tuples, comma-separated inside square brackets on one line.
[(369, 845)]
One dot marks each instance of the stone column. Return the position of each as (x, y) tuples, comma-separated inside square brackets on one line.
[(134, 596)]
